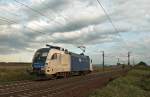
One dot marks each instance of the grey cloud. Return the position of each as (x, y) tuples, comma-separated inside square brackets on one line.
[(7, 51), (76, 25), (13, 40), (90, 37), (44, 9), (16, 42)]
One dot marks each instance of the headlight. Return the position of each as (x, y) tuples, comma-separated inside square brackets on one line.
[(42, 69)]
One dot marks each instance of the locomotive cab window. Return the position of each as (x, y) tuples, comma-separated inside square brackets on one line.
[(54, 56), (44, 54)]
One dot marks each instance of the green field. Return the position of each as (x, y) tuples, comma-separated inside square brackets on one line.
[(14, 72), (11, 72), (135, 84)]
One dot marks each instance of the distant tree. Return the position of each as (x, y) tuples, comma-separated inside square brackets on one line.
[(142, 63)]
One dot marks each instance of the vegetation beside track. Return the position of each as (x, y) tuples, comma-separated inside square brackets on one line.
[(12, 73), (135, 84)]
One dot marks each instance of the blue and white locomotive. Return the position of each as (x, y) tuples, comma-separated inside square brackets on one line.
[(58, 61)]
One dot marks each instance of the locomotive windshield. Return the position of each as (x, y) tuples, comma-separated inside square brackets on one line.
[(40, 57)]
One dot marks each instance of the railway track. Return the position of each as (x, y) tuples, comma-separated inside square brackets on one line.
[(57, 87)]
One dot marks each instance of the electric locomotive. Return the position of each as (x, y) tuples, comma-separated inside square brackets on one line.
[(57, 61)]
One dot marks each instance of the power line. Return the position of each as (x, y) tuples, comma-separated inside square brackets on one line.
[(34, 10), (7, 20), (17, 15), (110, 20), (30, 8), (108, 16), (51, 10), (38, 12), (11, 21)]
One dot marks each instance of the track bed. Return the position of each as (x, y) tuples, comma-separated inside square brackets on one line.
[(77, 86)]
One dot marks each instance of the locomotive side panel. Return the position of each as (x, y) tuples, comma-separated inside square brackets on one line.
[(80, 63), (57, 61), (65, 62)]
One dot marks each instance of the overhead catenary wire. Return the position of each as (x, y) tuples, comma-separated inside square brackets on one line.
[(110, 20), (51, 10), (36, 11), (3, 18), (108, 17), (39, 26), (30, 8), (48, 18), (41, 14), (11, 21), (113, 25), (6, 20)]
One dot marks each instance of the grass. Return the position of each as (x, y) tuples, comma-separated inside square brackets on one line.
[(100, 68), (13, 73), (135, 84), (97, 68)]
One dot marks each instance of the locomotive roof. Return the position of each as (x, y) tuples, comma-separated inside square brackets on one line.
[(59, 48), (54, 47), (43, 50), (77, 55)]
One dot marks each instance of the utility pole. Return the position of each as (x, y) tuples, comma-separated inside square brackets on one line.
[(103, 63), (128, 58)]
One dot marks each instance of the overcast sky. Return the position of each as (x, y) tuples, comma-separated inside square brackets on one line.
[(27, 25)]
